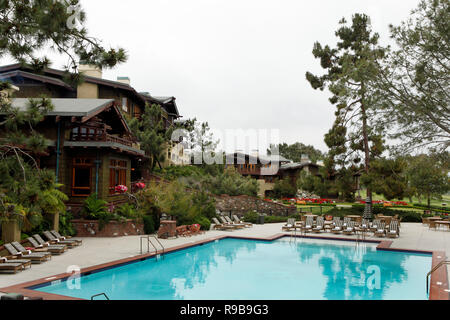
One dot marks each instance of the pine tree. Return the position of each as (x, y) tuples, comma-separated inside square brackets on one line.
[(29, 27), (351, 68), (415, 80)]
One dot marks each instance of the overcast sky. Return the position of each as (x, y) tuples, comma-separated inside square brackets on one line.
[(234, 63)]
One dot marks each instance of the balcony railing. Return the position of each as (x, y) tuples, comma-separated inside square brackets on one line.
[(97, 134)]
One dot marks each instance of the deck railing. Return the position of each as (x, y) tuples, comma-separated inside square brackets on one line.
[(97, 134)]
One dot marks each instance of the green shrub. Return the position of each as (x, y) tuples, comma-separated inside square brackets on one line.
[(251, 217), (149, 225), (203, 222), (128, 211), (94, 208), (65, 224)]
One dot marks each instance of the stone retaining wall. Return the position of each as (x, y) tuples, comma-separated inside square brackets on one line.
[(90, 228), (243, 204)]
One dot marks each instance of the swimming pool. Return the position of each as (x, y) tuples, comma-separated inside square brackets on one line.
[(237, 269)]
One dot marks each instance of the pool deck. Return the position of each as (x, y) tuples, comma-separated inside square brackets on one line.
[(100, 253)]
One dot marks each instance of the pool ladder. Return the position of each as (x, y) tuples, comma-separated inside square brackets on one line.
[(440, 264), (150, 242), (100, 294)]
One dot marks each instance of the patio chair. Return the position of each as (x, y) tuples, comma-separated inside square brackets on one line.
[(319, 225), (335, 220), (34, 257), (24, 262), (350, 228), (225, 222), (347, 220), (308, 224), (44, 243), (381, 230), (221, 226), (237, 220), (227, 218), (290, 224), (375, 224), (53, 239), (394, 230), (55, 250), (338, 227), (60, 237), (10, 267)]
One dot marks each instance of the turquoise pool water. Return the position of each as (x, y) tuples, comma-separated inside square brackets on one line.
[(234, 269)]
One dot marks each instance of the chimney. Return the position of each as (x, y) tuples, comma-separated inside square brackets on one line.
[(305, 158), (124, 80), (90, 70)]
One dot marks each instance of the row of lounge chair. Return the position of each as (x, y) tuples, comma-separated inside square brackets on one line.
[(41, 251), (347, 226), (226, 224)]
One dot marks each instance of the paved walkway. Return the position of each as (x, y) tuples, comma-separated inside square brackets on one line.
[(95, 251)]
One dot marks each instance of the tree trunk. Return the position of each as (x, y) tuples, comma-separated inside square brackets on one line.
[(367, 154), (429, 201)]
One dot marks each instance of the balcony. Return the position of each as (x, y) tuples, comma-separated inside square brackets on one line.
[(84, 136), (97, 134)]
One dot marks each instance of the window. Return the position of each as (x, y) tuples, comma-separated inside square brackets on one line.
[(125, 104), (117, 174), (82, 177)]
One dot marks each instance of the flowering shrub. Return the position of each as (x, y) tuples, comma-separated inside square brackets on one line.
[(121, 189), (140, 185), (308, 200)]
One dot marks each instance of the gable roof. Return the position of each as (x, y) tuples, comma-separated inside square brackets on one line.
[(33, 76), (168, 103), (86, 109), (69, 107)]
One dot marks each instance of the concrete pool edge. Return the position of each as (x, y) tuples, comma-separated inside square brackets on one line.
[(438, 282)]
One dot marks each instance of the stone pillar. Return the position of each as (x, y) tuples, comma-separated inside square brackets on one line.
[(167, 229), (10, 231)]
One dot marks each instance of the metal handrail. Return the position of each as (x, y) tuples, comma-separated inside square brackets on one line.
[(440, 264), (153, 245), (100, 294)]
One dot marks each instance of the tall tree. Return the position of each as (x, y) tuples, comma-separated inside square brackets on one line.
[(351, 68), (428, 175), (29, 27), (416, 79), (295, 151), (151, 133)]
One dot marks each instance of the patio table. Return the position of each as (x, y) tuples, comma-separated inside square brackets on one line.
[(443, 222)]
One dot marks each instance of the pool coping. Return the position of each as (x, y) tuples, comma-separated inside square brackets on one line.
[(438, 282)]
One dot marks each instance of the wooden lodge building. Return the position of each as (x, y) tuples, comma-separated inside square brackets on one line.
[(91, 147), (268, 169)]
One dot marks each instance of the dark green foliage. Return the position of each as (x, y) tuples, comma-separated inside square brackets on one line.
[(151, 133), (387, 178), (149, 224), (94, 208), (285, 188), (295, 151), (230, 182), (29, 27), (252, 217), (351, 68), (416, 80), (65, 224)]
